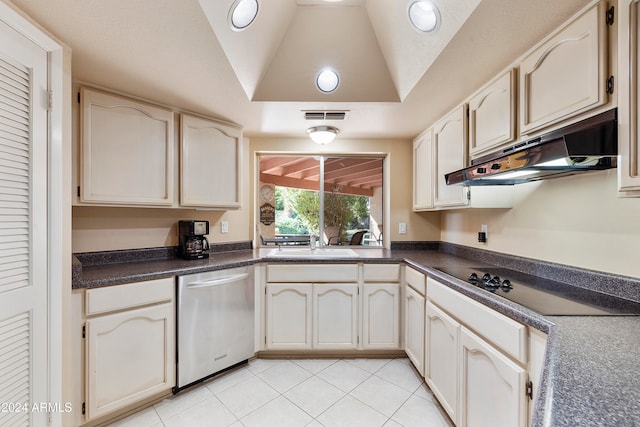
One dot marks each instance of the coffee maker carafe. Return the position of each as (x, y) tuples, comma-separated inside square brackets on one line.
[(191, 240)]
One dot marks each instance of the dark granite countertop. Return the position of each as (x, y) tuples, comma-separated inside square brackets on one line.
[(588, 377)]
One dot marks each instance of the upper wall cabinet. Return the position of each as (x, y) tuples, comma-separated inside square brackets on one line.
[(566, 74), (450, 153), (210, 163), (492, 114), (127, 151), (423, 171), (628, 95)]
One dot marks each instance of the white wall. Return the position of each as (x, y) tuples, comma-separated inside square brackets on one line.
[(577, 220)]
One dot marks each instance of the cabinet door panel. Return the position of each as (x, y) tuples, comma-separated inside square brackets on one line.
[(288, 310), (492, 115), (423, 171), (381, 316), (450, 150), (441, 358), (566, 74), (492, 387), (130, 356), (210, 163), (335, 316), (414, 328), (127, 150)]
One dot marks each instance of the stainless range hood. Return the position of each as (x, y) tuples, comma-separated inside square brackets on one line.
[(591, 144)]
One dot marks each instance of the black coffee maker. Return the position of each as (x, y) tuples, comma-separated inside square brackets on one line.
[(191, 240)]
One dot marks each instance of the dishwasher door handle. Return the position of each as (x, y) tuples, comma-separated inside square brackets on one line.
[(216, 282)]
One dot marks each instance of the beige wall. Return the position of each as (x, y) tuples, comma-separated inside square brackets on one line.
[(577, 220), (424, 226)]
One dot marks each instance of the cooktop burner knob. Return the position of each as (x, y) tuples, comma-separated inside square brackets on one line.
[(473, 278), (496, 279), (506, 285), (486, 277)]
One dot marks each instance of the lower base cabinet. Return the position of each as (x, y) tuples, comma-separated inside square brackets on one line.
[(128, 350), (492, 387), (305, 316), (288, 314), (414, 320), (335, 316), (381, 316), (441, 358), (475, 361)]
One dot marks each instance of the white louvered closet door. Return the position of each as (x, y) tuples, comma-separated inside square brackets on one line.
[(23, 230)]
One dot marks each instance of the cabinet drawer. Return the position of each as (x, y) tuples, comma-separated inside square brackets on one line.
[(314, 273), (502, 331), (120, 297), (416, 280), (381, 272)]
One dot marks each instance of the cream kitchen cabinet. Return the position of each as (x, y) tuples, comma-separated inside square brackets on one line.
[(492, 386), (335, 316), (450, 154), (450, 149), (492, 115), (129, 345), (210, 152), (423, 171), (288, 314), (381, 307), (441, 357), (312, 307), (567, 73), (628, 96), (126, 151), (414, 320), (492, 355)]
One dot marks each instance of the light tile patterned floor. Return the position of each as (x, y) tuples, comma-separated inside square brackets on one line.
[(302, 392)]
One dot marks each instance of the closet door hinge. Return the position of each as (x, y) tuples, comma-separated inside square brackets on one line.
[(49, 101), (84, 331)]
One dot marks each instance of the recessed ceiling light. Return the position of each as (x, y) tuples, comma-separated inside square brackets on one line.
[(424, 15), (242, 13), (327, 81)]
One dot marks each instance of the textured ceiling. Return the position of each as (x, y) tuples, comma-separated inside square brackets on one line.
[(173, 53)]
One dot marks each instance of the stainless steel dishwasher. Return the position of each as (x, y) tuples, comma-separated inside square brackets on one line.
[(215, 323)]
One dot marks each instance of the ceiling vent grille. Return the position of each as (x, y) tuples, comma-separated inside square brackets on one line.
[(324, 115)]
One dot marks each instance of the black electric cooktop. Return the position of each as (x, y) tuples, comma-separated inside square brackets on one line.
[(545, 296)]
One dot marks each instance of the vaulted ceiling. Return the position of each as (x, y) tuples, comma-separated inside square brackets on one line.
[(395, 81)]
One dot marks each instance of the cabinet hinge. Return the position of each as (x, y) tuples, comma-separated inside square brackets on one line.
[(84, 408), (469, 194), (610, 82), (49, 101), (611, 16), (78, 191), (529, 389), (84, 331), (78, 97)]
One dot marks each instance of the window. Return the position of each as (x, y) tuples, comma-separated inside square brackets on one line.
[(290, 203)]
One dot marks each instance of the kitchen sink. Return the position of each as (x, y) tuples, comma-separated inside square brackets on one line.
[(315, 253)]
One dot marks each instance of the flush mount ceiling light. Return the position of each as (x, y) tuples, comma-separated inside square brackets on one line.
[(242, 14), (322, 134), (424, 15), (327, 81)]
